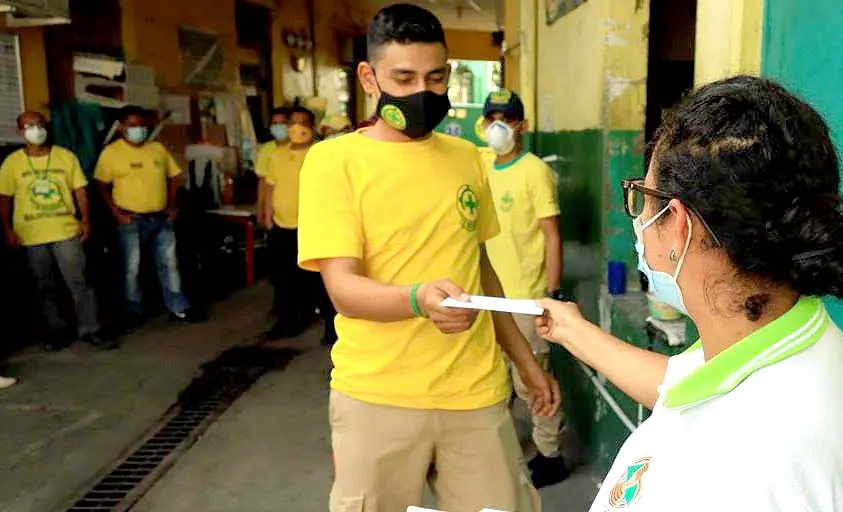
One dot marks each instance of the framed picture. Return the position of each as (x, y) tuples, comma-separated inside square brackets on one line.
[(558, 8)]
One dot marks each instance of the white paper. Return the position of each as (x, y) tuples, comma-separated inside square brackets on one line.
[(479, 302)]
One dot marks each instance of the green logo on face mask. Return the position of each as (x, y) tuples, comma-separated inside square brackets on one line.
[(393, 116), (467, 206)]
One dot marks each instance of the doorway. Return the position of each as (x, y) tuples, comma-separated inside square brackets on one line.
[(670, 72)]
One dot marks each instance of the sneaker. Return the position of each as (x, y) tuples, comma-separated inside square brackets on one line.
[(55, 345), (99, 342), (548, 471), (188, 316), (7, 382)]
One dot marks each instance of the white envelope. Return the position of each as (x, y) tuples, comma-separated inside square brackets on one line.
[(479, 302)]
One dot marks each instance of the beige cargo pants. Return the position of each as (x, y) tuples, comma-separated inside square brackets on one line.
[(383, 456), (545, 430)]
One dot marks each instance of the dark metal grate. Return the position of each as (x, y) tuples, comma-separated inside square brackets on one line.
[(198, 406)]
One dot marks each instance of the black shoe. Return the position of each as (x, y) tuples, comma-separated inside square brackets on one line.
[(284, 330), (55, 346), (190, 316), (95, 340), (548, 471)]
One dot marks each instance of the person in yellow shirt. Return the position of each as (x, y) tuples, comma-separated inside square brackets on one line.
[(45, 188), (139, 180), (528, 253), (294, 292), (279, 131), (395, 218)]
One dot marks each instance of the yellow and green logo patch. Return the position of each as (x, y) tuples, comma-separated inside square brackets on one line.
[(468, 207), (393, 116)]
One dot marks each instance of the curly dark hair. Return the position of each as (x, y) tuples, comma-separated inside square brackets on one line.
[(759, 165), (403, 24)]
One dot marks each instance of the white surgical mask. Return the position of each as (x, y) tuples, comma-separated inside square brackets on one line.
[(137, 134), (500, 137), (664, 286), (35, 135)]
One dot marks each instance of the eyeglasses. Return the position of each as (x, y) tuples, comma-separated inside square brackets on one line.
[(634, 193)]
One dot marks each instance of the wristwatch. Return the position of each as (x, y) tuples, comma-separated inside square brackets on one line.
[(558, 294)]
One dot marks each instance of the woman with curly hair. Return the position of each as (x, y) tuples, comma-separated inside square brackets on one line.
[(738, 224)]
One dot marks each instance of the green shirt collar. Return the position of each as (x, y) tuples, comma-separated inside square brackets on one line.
[(793, 332), (514, 161)]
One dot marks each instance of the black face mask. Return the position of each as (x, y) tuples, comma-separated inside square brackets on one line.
[(415, 115)]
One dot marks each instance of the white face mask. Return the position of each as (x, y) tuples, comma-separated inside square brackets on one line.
[(663, 285), (500, 137), (35, 135)]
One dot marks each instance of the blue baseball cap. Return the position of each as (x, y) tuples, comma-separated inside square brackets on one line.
[(507, 103)]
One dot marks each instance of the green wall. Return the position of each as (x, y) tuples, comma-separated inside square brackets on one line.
[(803, 48)]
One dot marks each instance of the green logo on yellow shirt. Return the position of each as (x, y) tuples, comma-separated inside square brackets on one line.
[(393, 116), (506, 202), (46, 194), (467, 205)]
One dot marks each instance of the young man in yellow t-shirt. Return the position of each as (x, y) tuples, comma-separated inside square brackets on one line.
[(527, 255), (294, 289), (139, 180), (45, 188), (279, 130), (395, 217)]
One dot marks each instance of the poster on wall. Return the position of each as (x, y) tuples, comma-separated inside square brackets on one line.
[(558, 8)]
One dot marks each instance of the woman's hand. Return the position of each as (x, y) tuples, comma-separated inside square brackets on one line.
[(559, 321)]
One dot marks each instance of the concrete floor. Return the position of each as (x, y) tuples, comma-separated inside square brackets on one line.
[(75, 413)]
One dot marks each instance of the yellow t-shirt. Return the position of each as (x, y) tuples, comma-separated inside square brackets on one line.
[(138, 174), (524, 192), (411, 212), (45, 211), (266, 153), (283, 174)]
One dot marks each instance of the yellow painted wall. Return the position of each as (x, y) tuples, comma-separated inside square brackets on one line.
[(36, 92), (728, 39), (571, 67), (511, 37), (626, 49), (150, 34), (471, 45), (528, 47), (334, 20)]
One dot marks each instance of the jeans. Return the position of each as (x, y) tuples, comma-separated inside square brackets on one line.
[(69, 257), (151, 232)]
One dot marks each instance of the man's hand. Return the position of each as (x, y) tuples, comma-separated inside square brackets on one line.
[(172, 213), (124, 218), (447, 320), (84, 230), (12, 239), (543, 389)]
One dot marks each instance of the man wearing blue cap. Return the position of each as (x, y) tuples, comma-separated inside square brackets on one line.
[(527, 255)]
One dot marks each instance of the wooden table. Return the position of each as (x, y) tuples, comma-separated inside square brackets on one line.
[(246, 216)]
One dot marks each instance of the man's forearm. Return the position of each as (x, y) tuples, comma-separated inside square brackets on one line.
[(554, 261), (356, 296), (105, 191), (173, 185), (508, 335), (6, 213), (82, 204), (262, 196)]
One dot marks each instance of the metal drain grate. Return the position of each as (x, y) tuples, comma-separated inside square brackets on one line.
[(199, 405)]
